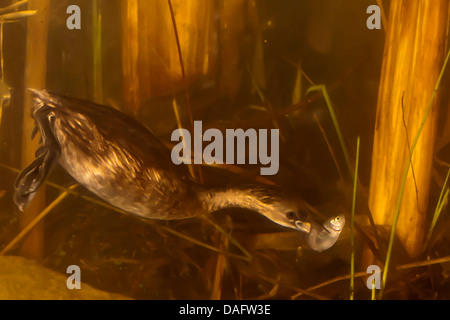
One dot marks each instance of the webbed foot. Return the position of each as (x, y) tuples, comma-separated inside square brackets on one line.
[(30, 179)]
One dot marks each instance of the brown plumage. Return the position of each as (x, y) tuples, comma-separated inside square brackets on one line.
[(122, 162)]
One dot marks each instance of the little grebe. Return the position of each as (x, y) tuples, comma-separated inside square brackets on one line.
[(122, 162)]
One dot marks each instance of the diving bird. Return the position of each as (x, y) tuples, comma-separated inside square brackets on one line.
[(122, 162)]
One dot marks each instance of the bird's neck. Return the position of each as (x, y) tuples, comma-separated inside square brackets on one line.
[(217, 199), (258, 199)]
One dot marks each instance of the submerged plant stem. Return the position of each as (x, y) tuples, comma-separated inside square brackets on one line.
[(324, 134), (405, 175), (36, 220), (229, 237), (439, 206), (2, 60), (247, 256), (98, 52), (352, 233), (329, 104), (13, 6), (202, 244), (383, 14), (183, 74)]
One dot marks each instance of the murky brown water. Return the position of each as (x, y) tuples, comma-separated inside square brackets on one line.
[(247, 64)]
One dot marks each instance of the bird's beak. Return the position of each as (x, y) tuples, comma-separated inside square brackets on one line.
[(303, 226)]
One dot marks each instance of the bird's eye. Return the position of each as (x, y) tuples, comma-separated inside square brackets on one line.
[(290, 215)]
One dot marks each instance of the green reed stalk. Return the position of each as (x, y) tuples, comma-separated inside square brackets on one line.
[(202, 244), (324, 91), (229, 237), (439, 206), (352, 234), (373, 297)]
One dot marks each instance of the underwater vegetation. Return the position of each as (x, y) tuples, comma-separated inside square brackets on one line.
[(364, 131)]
